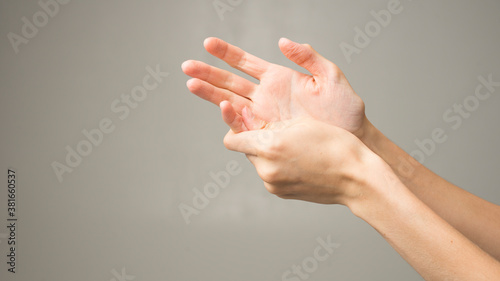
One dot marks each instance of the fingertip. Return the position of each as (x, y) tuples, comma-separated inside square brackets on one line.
[(189, 83), (185, 66), (225, 106), (227, 111), (193, 84), (249, 119), (210, 43), (247, 113), (207, 41), (244, 111), (231, 117), (284, 41)]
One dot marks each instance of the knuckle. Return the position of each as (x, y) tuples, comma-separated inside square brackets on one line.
[(270, 174), (272, 189), (307, 46), (279, 190), (286, 196), (275, 189), (335, 72), (274, 148)]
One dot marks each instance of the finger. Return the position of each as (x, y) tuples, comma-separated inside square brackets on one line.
[(306, 57), (216, 95), (250, 121), (219, 78), (244, 142), (236, 57), (232, 119)]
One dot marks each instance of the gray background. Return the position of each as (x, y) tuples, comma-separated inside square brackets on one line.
[(119, 209)]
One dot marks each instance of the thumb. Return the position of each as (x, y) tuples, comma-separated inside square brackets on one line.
[(305, 56)]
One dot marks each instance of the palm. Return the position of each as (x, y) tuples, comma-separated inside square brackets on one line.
[(282, 93)]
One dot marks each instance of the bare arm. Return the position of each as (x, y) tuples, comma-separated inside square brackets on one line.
[(312, 161), (476, 218), (435, 249)]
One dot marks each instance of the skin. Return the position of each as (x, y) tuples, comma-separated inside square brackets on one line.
[(282, 93), (433, 224)]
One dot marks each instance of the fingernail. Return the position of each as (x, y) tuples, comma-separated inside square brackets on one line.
[(284, 40), (248, 113)]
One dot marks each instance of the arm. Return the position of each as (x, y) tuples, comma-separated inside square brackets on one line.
[(336, 168), (477, 219), (435, 249)]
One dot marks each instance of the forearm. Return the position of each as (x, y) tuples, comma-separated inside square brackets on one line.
[(477, 219), (428, 243)]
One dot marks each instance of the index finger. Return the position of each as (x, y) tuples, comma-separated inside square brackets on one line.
[(236, 57), (244, 142)]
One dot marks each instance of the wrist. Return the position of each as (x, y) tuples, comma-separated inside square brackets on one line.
[(369, 135), (376, 186), (403, 165)]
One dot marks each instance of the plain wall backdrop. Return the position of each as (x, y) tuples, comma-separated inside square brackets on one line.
[(116, 215)]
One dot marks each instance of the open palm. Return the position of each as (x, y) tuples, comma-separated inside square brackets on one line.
[(282, 93)]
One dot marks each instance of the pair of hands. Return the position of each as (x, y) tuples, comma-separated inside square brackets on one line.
[(306, 136), (300, 131)]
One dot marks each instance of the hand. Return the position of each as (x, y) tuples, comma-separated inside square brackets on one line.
[(282, 93), (303, 158)]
